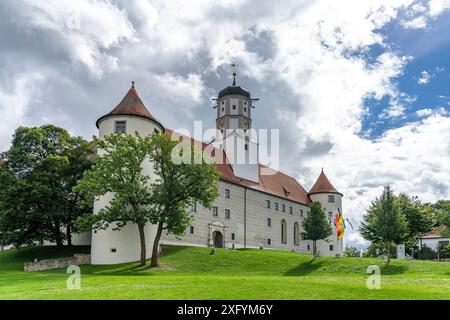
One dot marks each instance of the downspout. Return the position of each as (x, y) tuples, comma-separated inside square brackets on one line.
[(245, 217)]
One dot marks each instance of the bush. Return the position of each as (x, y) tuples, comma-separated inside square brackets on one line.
[(426, 253)]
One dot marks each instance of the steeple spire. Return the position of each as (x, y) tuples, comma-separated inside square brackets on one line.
[(234, 65)]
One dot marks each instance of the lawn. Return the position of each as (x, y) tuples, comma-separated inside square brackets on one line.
[(192, 273)]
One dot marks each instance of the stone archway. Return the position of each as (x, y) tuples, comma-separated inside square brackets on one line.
[(218, 239)]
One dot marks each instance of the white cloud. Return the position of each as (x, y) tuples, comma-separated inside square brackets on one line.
[(86, 30), (424, 78), (416, 23), (424, 112), (14, 101)]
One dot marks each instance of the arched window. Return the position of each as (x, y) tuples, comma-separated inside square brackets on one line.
[(296, 234), (283, 232)]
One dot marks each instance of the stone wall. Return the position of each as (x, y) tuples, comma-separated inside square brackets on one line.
[(77, 259)]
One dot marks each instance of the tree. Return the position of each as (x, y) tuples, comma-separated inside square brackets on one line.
[(177, 186), (418, 218), (384, 222), (37, 201), (139, 198), (316, 226)]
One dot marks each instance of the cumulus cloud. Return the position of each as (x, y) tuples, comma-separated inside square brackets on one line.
[(424, 78), (310, 62)]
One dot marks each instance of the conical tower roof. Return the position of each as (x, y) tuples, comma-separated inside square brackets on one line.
[(323, 185), (131, 105)]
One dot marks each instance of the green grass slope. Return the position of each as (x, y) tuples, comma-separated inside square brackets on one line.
[(192, 273)]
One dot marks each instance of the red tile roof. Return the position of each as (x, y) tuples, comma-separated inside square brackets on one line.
[(131, 104), (323, 185), (270, 181), (435, 233)]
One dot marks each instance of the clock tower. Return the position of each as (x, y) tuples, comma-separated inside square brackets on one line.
[(233, 130)]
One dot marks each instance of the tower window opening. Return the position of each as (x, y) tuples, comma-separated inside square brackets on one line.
[(234, 107), (331, 199), (246, 147), (120, 127)]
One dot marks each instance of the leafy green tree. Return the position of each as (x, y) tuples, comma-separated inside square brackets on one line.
[(37, 201), (139, 198), (384, 222), (418, 218), (316, 226)]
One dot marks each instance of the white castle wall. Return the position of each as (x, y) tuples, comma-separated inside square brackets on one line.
[(125, 242)]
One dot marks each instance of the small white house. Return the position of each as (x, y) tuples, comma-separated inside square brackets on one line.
[(434, 239)]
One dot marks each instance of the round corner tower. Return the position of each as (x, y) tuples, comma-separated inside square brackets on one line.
[(331, 199), (108, 246)]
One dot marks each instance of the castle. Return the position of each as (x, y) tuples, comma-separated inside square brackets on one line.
[(256, 208)]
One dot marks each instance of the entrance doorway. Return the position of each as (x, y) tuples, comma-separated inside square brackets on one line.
[(218, 239)]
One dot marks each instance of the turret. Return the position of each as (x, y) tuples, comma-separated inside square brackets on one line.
[(331, 200), (108, 246)]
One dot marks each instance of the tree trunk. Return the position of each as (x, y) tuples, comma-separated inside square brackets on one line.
[(314, 248), (143, 246), (388, 253), (156, 245), (69, 234), (58, 236)]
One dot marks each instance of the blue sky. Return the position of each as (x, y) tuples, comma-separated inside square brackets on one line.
[(429, 50)]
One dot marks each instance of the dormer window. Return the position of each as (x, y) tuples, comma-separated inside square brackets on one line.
[(120, 127)]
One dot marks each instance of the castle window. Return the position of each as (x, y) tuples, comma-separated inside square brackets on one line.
[(156, 131), (113, 250), (223, 102), (227, 193), (269, 222), (330, 215), (245, 109), (120, 127), (290, 210), (234, 107), (331, 199), (331, 247), (223, 109), (283, 232), (245, 102), (269, 242), (296, 234), (268, 204), (227, 213), (233, 236), (308, 247), (301, 213), (191, 229), (246, 146), (215, 211), (283, 208), (193, 207), (276, 205)]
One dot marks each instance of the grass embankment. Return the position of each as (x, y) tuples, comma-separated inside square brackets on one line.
[(192, 273)]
